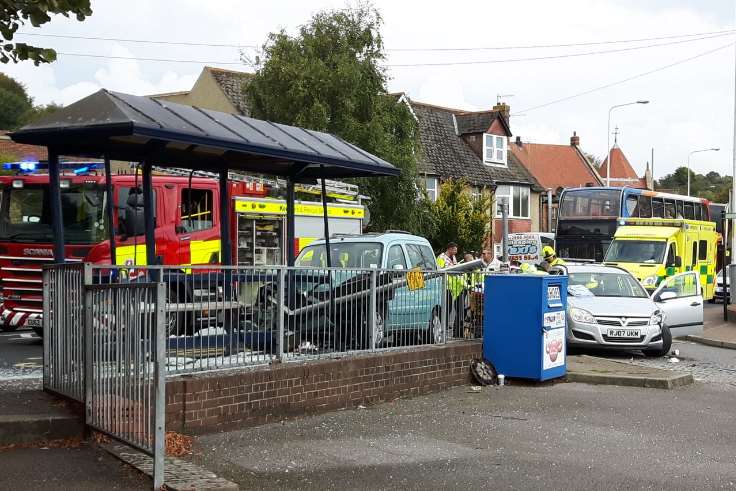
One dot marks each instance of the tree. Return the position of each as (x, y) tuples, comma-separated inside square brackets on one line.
[(41, 111), (16, 12), (711, 186), (461, 218), (15, 104), (328, 78)]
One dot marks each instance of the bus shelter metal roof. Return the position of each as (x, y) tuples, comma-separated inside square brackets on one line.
[(137, 128), (155, 132)]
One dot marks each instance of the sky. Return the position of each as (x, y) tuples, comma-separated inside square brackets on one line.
[(691, 103)]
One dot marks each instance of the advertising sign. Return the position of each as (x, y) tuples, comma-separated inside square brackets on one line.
[(524, 247), (553, 348)]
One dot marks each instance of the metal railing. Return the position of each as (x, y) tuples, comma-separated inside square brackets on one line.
[(125, 354), (222, 317), (218, 317), (63, 329)]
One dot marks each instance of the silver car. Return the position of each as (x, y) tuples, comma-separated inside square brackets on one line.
[(608, 308)]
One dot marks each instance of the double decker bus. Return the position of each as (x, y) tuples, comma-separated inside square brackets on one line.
[(588, 217)]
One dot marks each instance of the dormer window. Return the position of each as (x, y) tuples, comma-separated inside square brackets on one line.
[(494, 150)]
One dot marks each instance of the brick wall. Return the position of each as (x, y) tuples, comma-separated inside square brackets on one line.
[(249, 397)]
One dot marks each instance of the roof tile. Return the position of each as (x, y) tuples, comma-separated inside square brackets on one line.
[(555, 166), (447, 155), (232, 83)]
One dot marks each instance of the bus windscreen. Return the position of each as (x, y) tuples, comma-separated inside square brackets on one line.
[(586, 203)]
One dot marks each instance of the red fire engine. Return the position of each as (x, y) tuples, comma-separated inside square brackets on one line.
[(187, 230)]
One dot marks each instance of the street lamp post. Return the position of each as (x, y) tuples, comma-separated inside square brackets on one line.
[(688, 163), (608, 137)]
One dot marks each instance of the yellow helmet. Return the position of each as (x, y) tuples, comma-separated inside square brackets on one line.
[(526, 268), (547, 251)]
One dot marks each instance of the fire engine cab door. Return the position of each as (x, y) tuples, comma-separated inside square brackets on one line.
[(198, 244)]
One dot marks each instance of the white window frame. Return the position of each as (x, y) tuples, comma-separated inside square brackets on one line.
[(507, 191), (432, 191), (498, 156), (476, 192)]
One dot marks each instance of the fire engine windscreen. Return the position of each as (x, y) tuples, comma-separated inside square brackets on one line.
[(25, 214), (344, 255)]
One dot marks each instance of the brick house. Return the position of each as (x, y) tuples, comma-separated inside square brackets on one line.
[(555, 167), (17, 152), (474, 146)]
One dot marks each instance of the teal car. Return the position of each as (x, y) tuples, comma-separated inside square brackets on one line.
[(412, 309)]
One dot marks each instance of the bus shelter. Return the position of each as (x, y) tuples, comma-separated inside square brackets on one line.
[(163, 134)]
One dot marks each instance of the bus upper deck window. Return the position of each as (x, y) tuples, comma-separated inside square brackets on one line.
[(689, 212), (697, 215), (632, 206), (657, 208), (680, 210), (645, 206), (669, 208)]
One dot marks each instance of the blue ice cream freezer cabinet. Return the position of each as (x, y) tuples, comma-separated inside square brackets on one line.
[(524, 325)]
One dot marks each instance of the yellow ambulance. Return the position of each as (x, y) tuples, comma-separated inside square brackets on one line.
[(655, 248)]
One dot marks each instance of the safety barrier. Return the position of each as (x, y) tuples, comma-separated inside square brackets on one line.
[(63, 328), (125, 355), (222, 317), (219, 317)]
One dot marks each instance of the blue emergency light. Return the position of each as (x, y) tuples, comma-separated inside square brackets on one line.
[(24, 166), (32, 166)]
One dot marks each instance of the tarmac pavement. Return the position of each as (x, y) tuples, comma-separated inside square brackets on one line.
[(550, 436), (84, 467)]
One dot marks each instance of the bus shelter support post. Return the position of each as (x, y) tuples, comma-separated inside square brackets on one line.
[(149, 219), (57, 218), (226, 248), (290, 231), (109, 210)]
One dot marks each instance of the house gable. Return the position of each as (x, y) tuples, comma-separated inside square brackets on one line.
[(215, 89)]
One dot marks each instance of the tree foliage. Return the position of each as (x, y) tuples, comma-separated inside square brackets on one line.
[(16, 13), (460, 217), (16, 106), (593, 159), (712, 186), (328, 78)]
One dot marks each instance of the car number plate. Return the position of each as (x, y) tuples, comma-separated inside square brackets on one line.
[(623, 333), (34, 323)]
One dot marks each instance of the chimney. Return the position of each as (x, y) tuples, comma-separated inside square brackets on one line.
[(518, 141), (575, 139), (503, 108)]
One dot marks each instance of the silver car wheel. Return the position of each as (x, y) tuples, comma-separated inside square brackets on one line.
[(380, 330), (437, 329)]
